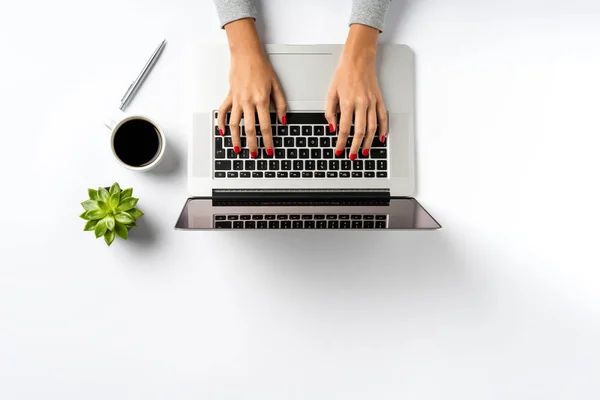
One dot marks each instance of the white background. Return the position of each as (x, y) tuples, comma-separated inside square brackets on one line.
[(504, 303)]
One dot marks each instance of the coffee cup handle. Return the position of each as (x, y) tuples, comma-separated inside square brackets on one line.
[(110, 124)]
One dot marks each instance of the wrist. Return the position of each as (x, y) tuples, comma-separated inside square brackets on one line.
[(361, 43), (243, 38)]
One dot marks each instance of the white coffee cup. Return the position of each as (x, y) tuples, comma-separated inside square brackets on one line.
[(132, 140)]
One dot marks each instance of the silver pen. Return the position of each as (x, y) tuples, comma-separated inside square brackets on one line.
[(137, 83)]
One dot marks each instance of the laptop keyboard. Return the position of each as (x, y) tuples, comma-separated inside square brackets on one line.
[(304, 148), (301, 221)]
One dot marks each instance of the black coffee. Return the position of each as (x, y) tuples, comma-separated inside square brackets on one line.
[(137, 143)]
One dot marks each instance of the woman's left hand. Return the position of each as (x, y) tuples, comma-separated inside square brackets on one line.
[(356, 91)]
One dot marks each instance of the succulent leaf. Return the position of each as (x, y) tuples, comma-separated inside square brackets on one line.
[(114, 189), (96, 214), (109, 220), (124, 218), (90, 226), (84, 215), (113, 201), (102, 194), (109, 237), (93, 193), (126, 193), (89, 205), (127, 204), (121, 230), (100, 229), (135, 213)]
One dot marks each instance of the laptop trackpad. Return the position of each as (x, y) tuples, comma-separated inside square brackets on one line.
[(304, 77)]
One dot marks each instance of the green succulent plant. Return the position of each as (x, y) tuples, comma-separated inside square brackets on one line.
[(110, 213)]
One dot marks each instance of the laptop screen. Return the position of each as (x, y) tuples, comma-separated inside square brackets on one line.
[(378, 214)]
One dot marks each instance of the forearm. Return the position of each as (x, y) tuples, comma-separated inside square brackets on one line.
[(243, 37), (370, 13), (233, 10)]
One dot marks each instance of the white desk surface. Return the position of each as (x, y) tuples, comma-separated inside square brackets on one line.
[(504, 303)]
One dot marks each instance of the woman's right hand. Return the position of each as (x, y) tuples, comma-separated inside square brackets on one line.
[(252, 86)]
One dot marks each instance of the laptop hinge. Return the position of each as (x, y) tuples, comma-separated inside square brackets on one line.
[(301, 194)]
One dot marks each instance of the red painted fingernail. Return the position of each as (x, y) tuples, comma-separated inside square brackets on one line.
[(352, 157), (366, 152), (254, 154), (270, 152), (382, 139), (284, 120), (331, 130), (338, 153), (221, 132), (236, 150)]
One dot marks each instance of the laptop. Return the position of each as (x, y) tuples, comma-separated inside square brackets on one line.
[(303, 185)]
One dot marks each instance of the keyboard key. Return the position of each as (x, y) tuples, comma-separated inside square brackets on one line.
[(378, 153), (368, 224), (344, 174), (274, 165), (333, 225), (309, 224), (250, 224), (356, 217), (300, 142), (273, 224), (289, 142), (382, 165), (245, 153), (277, 141), (357, 174), (292, 153), (245, 217), (228, 142), (380, 225), (309, 165), (298, 165), (219, 143), (369, 174), (286, 165), (244, 174), (232, 174), (250, 165), (295, 216), (332, 174), (220, 217), (238, 225), (357, 165), (257, 217), (304, 153), (232, 217), (220, 174), (377, 143), (306, 130), (282, 216), (257, 174), (315, 153), (282, 174), (262, 224), (321, 224), (279, 153), (307, 174), (334, 142), (382, 174), (328, 153), (345, 225), (356, 224), (217, 133), (307, 216), (297, 225), (319, 174), (370, 165), (262, 165), (231, 153), (270, 174), (282, 130), (322, 165), (319, 130), (295, 174), (344, 216), (368, 217), (334, 165), (346, 165), (331, 216), (295, 130), (286, 224), (238, 165), (220, 153), (270, 216), (319, 216), (324, 142), (313, 142), (223, 225)]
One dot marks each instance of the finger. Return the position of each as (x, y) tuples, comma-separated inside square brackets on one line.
[(223, 110), (234, 126), (360, 128), (264, 119), (250, 128), (371, 129), (382, 118), (279, 102), (331, 110), (344, 130)]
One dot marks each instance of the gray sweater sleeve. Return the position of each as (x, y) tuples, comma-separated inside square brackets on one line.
[(232, 10), (366, 12), (369, 12)]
